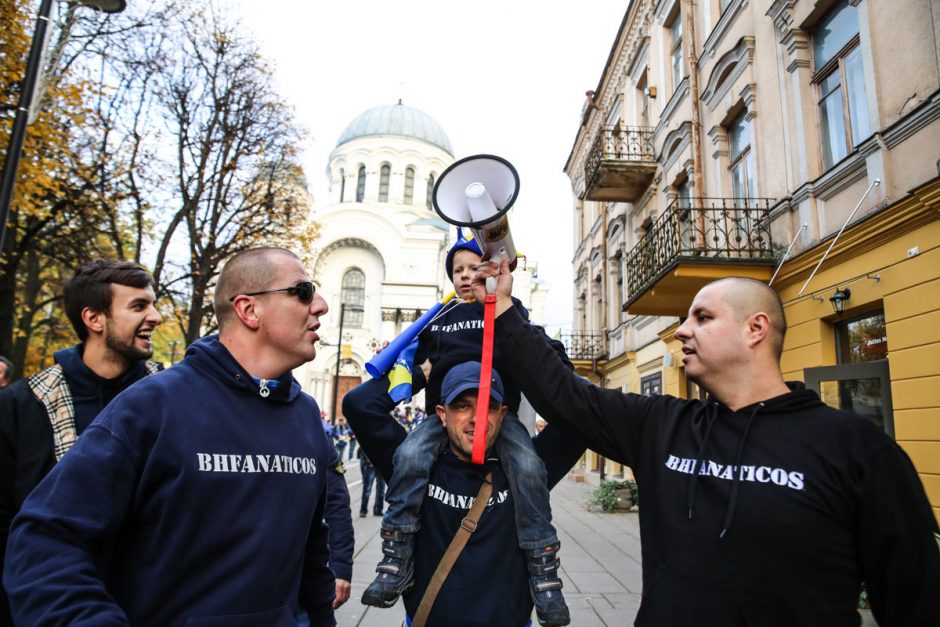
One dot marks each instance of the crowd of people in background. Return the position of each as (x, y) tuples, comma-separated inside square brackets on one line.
[(408, 417)]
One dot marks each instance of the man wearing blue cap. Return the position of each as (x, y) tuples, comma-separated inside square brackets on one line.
[(488, 583), (455, 336)]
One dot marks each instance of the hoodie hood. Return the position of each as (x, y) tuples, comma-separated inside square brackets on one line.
[(711, 411), (209, 355), (90, 392)]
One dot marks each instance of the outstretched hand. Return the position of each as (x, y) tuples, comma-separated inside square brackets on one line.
[(489, 269)]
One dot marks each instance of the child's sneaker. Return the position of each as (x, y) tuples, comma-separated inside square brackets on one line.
[(545, 586), (396, 570)]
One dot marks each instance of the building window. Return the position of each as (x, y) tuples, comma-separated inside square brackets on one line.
[(409, 185), (361, 184), (385, 175), (840, 83), (677, 61), (862, 339), (619, 287), (353, 294), (342, 183), (429, 202), (742, 158), (643, 96), (652, 384), (861, 383)]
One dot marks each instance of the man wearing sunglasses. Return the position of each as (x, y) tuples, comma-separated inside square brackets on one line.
[(198, 495)]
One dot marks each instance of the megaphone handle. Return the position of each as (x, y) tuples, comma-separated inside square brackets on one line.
[(486, 374)]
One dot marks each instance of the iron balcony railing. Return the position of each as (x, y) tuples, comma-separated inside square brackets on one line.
[(581, 345), (725, 230), (620, 143)]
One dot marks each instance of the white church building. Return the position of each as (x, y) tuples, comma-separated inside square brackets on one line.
[(379, 257)]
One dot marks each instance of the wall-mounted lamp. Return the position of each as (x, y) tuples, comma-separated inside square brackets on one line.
[(838, 300)]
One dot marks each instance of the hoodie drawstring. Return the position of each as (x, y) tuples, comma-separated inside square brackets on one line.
[(733, 500), (712, 418)]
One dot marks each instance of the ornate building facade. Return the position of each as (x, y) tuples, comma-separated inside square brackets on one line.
[(785, 140), (379, 261)]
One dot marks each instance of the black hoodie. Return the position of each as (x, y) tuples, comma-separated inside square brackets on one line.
[(771, 515)]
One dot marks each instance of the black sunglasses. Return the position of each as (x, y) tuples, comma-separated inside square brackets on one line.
[(303, 290)]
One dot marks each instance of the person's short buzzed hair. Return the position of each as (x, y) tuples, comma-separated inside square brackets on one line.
[(251, 270), (748, 296), (91, 288)]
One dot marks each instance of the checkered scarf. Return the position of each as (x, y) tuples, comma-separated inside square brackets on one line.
[(52, 389)]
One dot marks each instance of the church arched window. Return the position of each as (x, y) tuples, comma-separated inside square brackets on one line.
[(342, 183), (353, 295), (361, 184), (409, 185), (430, 197), (383, 182)]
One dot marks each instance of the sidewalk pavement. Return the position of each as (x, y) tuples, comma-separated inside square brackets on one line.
[(600, 561)]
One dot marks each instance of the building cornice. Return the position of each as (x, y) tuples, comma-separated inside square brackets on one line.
[(913, 211)]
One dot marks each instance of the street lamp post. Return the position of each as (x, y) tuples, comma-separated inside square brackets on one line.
[(339, 353), (18, 134)]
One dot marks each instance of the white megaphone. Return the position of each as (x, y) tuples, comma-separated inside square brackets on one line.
[(476, 192)]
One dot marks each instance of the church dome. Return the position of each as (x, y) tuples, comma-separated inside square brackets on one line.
[(397, 119)]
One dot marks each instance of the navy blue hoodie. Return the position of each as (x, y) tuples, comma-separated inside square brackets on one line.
[(190, 500), (489, 584)]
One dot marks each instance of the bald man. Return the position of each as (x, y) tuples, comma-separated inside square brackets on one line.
[(197, 496), (763, 506)]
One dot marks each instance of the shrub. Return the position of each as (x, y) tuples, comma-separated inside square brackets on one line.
[(605, 495)]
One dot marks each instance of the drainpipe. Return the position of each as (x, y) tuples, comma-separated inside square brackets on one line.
[(602, 382), (605, 316), (698, 189)]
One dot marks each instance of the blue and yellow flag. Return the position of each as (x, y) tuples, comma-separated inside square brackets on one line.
[(399, 377)]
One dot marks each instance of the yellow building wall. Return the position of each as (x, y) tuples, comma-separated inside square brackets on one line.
[(908, 288)]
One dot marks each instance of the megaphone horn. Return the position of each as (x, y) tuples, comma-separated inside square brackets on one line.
[(477, 192)]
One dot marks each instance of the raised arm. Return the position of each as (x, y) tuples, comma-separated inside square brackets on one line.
[(610, 423), (367, 408)]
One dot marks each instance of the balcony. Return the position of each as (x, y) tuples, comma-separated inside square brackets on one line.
[(584, 349), (621, 164), (693, 243), (581, 345)]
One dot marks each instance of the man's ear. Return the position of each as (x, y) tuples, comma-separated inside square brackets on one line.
[(93, 320), (758, 326), (440, 414), (244, 307)]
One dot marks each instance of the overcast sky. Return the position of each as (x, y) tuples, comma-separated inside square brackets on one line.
[(503, 77)]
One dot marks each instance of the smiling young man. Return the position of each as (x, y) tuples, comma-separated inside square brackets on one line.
[(765, 506), (111, 307), (489, 583), (197, 497)]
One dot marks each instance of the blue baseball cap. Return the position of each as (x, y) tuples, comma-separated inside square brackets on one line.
[(466, 376)]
